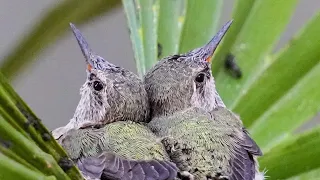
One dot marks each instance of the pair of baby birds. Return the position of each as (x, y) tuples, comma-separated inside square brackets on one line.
[(170, 125)]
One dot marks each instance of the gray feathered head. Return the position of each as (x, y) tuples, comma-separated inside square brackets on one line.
[(181, 81), (110, 93)]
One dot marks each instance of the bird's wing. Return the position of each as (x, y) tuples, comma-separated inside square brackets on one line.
[(112, 167), (250, 145), (243, 164)]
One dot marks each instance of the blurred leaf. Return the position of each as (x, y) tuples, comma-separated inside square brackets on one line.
[(297, 155), (148, 16), (171, 19), (314, 174), (281, 73), (201, 23), (239, 14), (4, 150), (136, 41), (27, 125), (11, 170), (300, 104), (258, 36), (29, 151), (50, 28)]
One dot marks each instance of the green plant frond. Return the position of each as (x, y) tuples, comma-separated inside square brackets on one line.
[(12, 170), (313, 174), (50, 28), (259, 34), (148, 15), (300, 104), (171, 19), (298, 154), (281, 72), (201, 23), (284, 84), (135, 35), (240, 12), (29, 137), (29, 151), (10, 154)]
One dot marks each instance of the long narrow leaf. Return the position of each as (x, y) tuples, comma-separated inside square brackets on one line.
[(293, 62), (297, 155), (239, 14), (29, 151), (258, 36), (11, 170), (135, 36), (301, 103), (14, 109), (171, 18), (313, 174), (148, 15), (50, 28), (4, 149), (201, 23)]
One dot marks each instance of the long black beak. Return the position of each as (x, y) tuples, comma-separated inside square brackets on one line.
[(206, 52), (93, 60)]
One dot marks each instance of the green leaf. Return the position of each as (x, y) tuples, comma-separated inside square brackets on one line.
[(201, 23), (7, 152), (281, 72), (297, 155), (258, 36), (239, 15), (171, 19), (49, 30), (21, 118), (29, 151), (135, 36), (11, 170), (314, 174), (301, 103), (148, 15)]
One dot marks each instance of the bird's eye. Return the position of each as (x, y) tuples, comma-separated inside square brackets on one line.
[(200, 78), (97, 85)]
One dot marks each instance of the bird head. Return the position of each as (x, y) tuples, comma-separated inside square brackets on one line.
[(181, 81), (110, 93)]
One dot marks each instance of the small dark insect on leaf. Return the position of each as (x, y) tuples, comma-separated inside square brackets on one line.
[(65, 163), (33, 121), (159, 50), (6, 144), (232, 67), (46, 137), (30, 119)]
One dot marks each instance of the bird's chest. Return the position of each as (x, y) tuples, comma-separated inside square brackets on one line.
[(203, 145), (134, 141)]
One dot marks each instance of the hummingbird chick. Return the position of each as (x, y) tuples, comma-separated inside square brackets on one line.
[(106, 137), (203, 138)]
